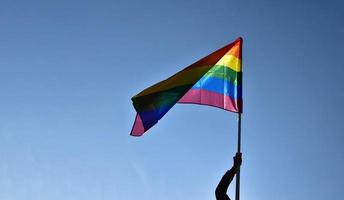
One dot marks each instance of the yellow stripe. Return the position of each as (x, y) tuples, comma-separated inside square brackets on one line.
[(231, 62)]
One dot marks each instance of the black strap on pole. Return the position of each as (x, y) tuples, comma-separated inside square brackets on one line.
[(237, 188)]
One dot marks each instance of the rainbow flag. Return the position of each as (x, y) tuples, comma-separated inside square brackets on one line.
[(215, 80)]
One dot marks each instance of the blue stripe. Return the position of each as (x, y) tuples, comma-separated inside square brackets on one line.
[(150, 118), (220, 86)]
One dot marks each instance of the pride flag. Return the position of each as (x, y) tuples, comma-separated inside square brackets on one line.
[(215, 80)]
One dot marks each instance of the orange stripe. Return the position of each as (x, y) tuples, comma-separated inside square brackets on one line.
[(214, 57), (235, 51)]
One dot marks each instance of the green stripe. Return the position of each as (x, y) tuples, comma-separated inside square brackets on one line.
[(172, 95), (158, 99), (191, 76), (223, 72)]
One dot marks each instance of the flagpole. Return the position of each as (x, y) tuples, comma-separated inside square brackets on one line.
[(237, 188)]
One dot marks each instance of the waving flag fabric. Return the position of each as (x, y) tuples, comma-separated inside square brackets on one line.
[(215, 80)]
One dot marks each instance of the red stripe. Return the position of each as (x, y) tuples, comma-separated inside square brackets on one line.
[(205, 97), (236, 50), (217, 55)]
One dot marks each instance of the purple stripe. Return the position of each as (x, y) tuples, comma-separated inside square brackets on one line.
[(204, 97), (138, 128)]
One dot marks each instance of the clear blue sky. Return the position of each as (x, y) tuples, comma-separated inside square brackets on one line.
[(69, 68)]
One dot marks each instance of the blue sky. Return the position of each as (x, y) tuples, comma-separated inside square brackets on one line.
[(69, 68)]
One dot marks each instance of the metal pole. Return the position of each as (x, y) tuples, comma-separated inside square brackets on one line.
[(237, 188)]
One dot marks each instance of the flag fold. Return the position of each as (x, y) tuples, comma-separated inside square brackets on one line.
[(215, 80)]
